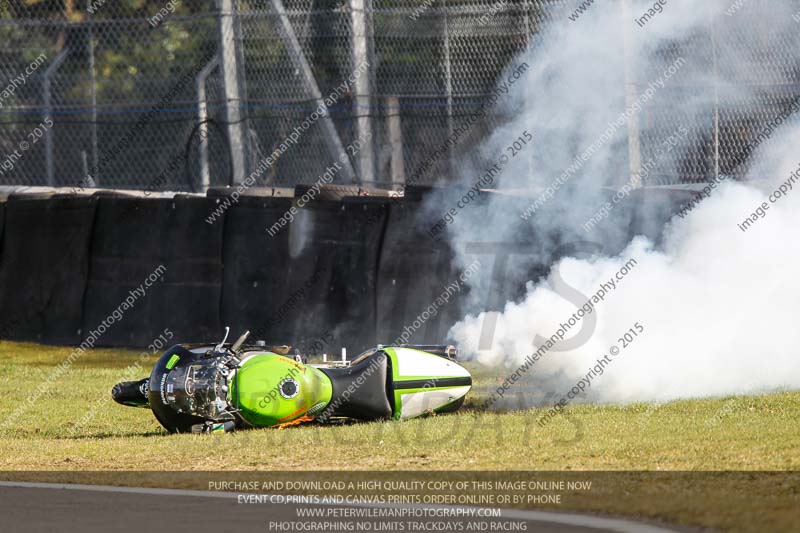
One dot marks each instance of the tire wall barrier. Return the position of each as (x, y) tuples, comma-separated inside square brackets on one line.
[(414, 272), (7, 324), (46, 245), (2, 223), (352, 272), (255, 284), (310, 281), (162, 259)]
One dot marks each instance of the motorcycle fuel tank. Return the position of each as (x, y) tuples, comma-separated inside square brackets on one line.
[(271, 389)]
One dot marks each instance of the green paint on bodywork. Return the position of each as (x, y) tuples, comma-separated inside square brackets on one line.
[(173, 361), (256, 389)]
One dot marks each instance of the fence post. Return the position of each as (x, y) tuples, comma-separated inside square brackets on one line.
[(95, 168), (448, 84), (363, 90), (233, 96), (395, 134), (634, 142), (713, 23), (202, 117), (47, 98)]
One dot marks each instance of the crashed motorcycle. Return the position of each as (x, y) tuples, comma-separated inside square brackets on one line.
[(221, 388)]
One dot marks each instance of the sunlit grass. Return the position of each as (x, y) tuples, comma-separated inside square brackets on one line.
[(73, 425)]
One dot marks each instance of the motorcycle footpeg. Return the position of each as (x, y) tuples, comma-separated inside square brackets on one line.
[(211, 427)]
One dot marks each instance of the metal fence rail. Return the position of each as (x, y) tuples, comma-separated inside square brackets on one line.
[(143, 97)]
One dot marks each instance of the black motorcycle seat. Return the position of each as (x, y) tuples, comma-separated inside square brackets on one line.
[(359, 391)]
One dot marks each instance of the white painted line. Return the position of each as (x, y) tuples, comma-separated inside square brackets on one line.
[(568, 519)]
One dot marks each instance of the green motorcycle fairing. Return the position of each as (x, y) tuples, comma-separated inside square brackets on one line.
[(271, 389), (205, 389)]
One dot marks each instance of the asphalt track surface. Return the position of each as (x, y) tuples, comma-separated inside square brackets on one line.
[(41, 507)]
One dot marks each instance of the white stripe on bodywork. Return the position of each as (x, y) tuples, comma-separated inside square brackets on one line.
[(414, 363), (416, 403)]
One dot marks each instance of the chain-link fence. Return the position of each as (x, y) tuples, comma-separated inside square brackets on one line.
[(747, 60), (181, 95)]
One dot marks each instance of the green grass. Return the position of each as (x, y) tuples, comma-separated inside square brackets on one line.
[(74, 425)]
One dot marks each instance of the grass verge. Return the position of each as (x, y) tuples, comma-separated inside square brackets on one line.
[(73, 425)]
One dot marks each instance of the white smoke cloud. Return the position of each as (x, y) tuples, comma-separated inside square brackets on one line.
[(718, 304), (718, 307)]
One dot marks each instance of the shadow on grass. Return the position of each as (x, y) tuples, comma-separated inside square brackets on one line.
[(103, 436)]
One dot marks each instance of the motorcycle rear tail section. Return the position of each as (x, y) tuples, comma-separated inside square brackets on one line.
[(396, 382), (422, 382)]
